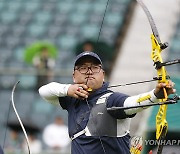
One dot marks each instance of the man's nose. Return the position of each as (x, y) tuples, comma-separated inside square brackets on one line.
[(89, 71)]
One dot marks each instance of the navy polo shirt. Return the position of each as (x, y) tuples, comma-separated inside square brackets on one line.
[(78, 115)]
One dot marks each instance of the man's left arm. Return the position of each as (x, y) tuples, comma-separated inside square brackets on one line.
[(141, 99), (147, 98)]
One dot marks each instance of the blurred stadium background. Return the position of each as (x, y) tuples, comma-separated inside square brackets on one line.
[(66, 24)]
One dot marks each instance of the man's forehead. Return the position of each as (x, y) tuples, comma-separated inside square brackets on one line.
[(88, 60), (87, 64)]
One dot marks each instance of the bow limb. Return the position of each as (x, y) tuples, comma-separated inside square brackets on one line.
[(18, 117)]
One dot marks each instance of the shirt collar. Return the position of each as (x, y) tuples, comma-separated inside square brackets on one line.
[(100, 90)]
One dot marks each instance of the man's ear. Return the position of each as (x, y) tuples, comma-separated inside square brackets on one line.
[(104, 75), (74, 78)]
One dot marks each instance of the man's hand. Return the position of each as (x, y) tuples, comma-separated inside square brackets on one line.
[(78, 91), (169, 89)]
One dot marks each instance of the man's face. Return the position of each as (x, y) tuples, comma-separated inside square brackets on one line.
[(90, 73)]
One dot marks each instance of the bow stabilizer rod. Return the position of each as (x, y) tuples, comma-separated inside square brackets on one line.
[(173, 100), (158, 65)]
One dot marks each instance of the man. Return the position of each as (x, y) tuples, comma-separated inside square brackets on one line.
[(55, 135), (44, 65), (92, 128)]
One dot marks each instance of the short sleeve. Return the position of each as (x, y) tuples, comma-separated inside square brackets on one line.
[(117, 100)]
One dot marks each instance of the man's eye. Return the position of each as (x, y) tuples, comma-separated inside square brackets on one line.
[(95, 67), (82, 68)]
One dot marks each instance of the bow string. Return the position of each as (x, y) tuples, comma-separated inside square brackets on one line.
[(18, 117)]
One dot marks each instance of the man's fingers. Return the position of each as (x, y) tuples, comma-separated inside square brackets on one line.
[(77, 96), (174, 91), (83, 89), (162, 85), (170, 84), (82, 93), (83, 86), (171, 91), (79, 89)]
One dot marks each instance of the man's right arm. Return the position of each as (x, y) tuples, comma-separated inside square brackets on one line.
[(52, 91)]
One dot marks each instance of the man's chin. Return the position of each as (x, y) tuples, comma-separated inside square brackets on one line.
[(93, 86)]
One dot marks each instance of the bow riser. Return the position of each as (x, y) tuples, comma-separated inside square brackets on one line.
[(161, 123), (157, 59)]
